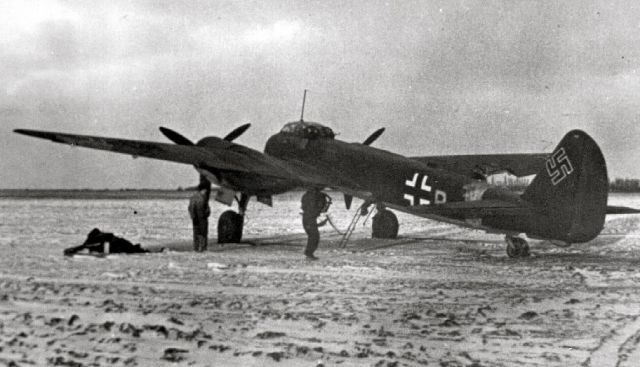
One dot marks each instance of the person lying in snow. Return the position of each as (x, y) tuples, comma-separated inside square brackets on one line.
[(96, 240)]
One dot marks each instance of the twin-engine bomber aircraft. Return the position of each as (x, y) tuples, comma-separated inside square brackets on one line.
[(565, 203)]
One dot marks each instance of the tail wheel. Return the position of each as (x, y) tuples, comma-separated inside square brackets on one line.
[(384, 225), (230, 227)]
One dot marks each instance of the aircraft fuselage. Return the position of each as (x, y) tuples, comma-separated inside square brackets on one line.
[(391, 178)]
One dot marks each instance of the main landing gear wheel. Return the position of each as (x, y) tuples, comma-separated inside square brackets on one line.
[(230, 227), (517, 247), (230, 223), (384, 225)]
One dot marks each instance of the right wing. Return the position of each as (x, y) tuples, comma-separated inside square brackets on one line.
[(486, 164)]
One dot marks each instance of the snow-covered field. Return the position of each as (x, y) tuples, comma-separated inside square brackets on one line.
[(439, 295)]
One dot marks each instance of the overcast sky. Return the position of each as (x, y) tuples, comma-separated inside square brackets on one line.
[(444, 77)]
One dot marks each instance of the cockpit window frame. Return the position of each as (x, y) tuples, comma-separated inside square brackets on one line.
[(308, 130)]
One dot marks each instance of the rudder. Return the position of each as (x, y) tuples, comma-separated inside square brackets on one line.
[(571, 191)]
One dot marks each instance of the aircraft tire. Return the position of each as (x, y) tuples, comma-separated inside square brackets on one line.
[(384, 225), (513, 251), (230, 226)]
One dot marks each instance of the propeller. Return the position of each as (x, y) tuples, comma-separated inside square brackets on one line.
[(181, 140), (175, 137), (373, 137), (236, 132)]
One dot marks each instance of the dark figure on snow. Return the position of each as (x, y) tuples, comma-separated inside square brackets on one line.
[(97, 239), (199, 211), (314, 202)]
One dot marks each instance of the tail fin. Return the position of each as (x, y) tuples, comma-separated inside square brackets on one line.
[(571, 190)]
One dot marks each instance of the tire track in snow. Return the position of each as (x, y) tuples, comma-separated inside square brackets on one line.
[(611, 351)]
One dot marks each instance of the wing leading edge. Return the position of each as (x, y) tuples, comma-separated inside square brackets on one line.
[(194, 155), (218, 153)]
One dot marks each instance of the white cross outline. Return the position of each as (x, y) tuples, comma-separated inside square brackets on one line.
[(424, 185), (414, 183), (410, 198)]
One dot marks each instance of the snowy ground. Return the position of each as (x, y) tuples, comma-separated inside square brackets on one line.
[(439, 295)]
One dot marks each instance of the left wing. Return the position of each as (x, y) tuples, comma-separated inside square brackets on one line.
[(198, 156), (486, 164), (215, 153)]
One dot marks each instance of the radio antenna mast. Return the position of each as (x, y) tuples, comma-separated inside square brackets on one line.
[(304, 98)]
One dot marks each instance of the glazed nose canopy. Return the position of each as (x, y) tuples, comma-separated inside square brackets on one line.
[(308, 130)]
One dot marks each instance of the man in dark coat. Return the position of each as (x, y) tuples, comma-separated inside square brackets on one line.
[(97, 239), (199, 211), (314, 202)]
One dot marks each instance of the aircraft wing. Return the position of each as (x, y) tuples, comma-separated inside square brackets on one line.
[(486, 164), (481, 208), (220, 157), (472, 209)]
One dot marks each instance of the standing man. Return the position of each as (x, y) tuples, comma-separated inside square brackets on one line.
[(314, 202), (199, 211)]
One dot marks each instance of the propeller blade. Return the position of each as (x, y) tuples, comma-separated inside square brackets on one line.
[(175, 137), (376, 134), (236, 132), (347, 201)]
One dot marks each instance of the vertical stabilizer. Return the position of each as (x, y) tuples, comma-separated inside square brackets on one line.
[(571, 190)]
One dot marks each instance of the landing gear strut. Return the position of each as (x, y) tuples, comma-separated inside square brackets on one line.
[(385, 224), (230, 223), (517, 247)]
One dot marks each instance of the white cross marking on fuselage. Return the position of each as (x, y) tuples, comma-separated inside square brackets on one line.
[(424, 186), (410, 198), (413, 183)]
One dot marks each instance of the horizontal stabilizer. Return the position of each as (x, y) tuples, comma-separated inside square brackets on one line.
[(473, 209), (621, 210)]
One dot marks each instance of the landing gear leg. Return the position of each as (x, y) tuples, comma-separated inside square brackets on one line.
[(517, 247), (230, 223), (384, 224)]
